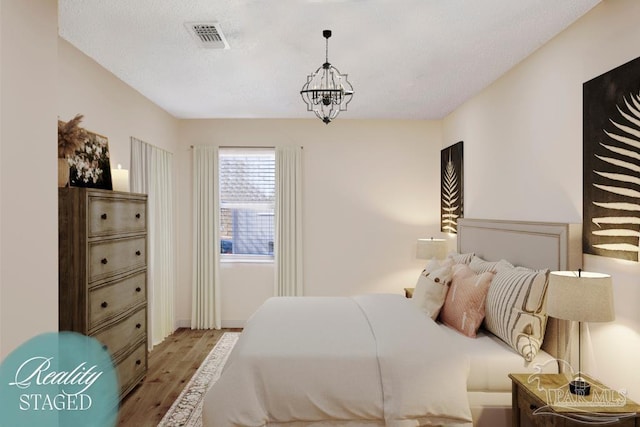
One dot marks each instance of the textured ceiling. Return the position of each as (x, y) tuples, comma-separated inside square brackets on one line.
[(410, 59)]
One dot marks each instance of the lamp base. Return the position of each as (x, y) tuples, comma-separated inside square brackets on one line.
[(580, 387)]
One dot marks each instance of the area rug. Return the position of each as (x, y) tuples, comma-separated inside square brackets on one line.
[(186, 411)]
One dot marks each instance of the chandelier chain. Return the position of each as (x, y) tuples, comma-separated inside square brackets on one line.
[(326, 50)]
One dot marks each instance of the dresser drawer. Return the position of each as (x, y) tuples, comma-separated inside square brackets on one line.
[(132, 368), (109, 300), (117, 337), (113, 216), (110, 257)]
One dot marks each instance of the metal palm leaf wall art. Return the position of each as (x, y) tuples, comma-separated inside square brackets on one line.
[(451, 191), (611, 163)]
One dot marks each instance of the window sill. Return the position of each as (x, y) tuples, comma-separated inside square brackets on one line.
[(246, 259)]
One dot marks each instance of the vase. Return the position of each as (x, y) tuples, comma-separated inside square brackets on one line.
[(63, 173)]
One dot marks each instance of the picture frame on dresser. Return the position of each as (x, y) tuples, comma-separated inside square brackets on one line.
[(90, 165), (102, 242)]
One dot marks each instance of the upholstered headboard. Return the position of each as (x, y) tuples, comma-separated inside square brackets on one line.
[(538, 245)]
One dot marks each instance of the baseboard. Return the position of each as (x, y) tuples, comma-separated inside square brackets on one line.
[(186, 323), (233, 323)]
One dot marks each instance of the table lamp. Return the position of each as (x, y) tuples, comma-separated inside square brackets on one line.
[(583, 297), (431, 248)]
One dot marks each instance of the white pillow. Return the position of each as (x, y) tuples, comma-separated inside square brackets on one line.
[(434, 265), (431, 290)]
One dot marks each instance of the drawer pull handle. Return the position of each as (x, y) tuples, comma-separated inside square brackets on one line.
[(138, 362), (104, 260), (104, 304), (533, 407), (138, 253), (138, 326), (138, 215), (105, 348), (138, 289), (103, 216)]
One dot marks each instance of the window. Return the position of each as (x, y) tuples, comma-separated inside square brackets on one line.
[(247, 199)]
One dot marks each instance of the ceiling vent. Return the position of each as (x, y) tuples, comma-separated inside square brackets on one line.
[(207, 34)]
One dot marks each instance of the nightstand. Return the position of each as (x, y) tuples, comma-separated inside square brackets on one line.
[(552, 389), (408, 292)]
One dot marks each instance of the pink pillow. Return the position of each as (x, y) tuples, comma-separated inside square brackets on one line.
[(463, 308)]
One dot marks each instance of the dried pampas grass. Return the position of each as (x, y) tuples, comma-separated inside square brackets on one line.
[(71, 137)]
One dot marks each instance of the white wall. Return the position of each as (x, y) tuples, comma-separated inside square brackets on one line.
[(28, 172), (110, 107), (370, 189), (523, 157)]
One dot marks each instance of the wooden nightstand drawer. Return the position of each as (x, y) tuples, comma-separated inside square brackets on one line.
[(115, 216), (527, 404)]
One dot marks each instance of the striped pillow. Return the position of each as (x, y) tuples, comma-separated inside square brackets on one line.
[(478, 265), (515, 310), (460, 258)]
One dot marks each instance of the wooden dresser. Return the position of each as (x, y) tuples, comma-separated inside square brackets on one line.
[(102, 239)]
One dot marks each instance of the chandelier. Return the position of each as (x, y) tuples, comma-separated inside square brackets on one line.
[(327, 92)]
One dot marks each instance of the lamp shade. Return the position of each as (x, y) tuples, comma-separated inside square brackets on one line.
[(431, 248), (580, 296)]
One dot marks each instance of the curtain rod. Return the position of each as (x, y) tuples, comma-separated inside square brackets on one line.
[(149, 144), (241, 146)]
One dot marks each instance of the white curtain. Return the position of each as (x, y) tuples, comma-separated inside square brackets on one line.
[(152, 174), (288, 218), (205, 311)]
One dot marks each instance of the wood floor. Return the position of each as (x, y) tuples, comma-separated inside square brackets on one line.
[(171, 365)]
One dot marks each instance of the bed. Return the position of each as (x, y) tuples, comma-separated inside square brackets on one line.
[(377, 360), (537, 245)]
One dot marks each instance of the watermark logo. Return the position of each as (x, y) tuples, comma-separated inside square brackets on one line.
[(58, 379), (578, 400), (36, 371)]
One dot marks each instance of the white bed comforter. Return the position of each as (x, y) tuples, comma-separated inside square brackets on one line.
[(361, 361)]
